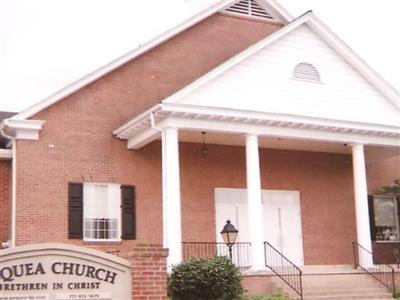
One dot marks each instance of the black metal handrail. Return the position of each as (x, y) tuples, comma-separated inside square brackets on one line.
[(396, 256), (240, 251), (382, 273), (284, 268)]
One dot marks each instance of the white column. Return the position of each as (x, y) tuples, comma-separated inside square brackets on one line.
[(254, 202), (172, 229), (361, 204)]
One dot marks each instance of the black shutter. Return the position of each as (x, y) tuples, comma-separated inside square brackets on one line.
[(75, 210), (371, 217), (128, 212)]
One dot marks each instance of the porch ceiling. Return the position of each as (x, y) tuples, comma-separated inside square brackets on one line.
[(372, 153), (212, 138)]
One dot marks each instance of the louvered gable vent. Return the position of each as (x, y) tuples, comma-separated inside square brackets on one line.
[(249, 8), (306, 71)]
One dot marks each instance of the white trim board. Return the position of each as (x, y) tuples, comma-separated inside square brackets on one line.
[(6, 154), (22, 129), (145, 128)]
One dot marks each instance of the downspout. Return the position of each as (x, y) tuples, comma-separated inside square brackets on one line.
[(13, 182), (153, 123)]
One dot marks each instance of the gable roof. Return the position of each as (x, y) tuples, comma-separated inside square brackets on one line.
[(318, 27), (271, 5)]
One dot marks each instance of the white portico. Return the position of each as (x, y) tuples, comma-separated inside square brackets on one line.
[(276, 89), (167, 119)]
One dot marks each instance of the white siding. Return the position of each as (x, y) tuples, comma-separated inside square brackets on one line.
[(263, 82)]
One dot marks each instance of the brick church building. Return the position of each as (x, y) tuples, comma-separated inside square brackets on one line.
[(241, 112)]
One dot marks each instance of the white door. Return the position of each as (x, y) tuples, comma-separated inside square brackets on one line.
[(231, 204), (281, 217), (282, 223)]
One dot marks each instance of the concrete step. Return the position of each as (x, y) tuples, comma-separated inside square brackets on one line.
[(369, 286), (357, 285), (344, 292), (334, 277), (349, 297), (337, 286), (334, 285)]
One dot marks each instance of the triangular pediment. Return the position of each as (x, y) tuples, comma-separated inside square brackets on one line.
[(296, 73), (252, 9)]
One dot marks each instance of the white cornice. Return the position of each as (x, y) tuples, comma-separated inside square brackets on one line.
[(137, 119), (6, 154), (353, 59), (140, 131), (22, 129), (277, 10)]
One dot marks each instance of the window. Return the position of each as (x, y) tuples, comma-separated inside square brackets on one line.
[(386, 220), (306, 71), (101, 212)]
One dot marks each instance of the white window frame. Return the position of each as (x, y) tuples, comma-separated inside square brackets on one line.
[(396, 209), (87, 185)]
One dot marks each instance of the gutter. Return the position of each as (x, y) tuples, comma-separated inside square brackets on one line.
[(13, 181), (139, 118)]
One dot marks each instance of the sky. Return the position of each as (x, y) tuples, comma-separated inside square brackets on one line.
[(47, 44)]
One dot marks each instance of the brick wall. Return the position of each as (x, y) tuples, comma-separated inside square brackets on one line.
[(149, 272), (383, 173), (76, 143), (324, 181), (5, 173), (257, 285)]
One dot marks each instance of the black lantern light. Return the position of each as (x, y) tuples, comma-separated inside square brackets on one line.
[(229, 234), (204, 149)]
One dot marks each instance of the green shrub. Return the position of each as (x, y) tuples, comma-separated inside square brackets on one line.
[(205, 279)]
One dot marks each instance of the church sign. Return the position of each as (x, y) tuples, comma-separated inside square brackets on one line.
[(61, 272)]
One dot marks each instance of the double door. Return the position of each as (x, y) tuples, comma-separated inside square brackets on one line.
[(281, 221)]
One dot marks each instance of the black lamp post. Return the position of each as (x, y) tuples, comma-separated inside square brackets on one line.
[(229, 234)]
